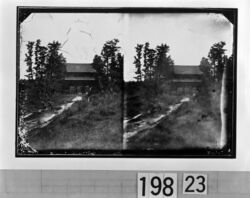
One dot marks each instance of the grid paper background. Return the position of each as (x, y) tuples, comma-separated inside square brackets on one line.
[(107, 184)]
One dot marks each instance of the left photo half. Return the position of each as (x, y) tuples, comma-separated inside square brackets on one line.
[(69, 83)]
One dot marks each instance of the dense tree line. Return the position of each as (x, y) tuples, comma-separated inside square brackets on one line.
[(45, 70), (152, 63), (109, 66), (214, 65)]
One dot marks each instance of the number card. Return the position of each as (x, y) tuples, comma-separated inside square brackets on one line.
[(194, 183), (157, 185)]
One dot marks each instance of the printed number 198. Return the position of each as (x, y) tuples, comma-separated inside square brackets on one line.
[(157, 185)]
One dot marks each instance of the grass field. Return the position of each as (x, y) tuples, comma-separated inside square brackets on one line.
[(195, 124), (189, 127), (97, 123), (93, 124), (147, 98)]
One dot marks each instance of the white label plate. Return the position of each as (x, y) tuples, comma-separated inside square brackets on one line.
[(194, 183), (157, 185)]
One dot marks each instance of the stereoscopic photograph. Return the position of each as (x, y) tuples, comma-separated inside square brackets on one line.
[(126, 82)]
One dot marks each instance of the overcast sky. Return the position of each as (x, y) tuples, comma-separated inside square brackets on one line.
[(189, 36)]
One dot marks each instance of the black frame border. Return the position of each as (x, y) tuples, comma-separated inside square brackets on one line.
[(228, 152)]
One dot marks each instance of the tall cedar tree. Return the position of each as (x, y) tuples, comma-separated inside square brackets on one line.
[(40, 66), (145, 61), (164, 63), (206, 78), (55, 68), (31, 95), (137, 62), (217, 60), (205, 68), (98, 65), (151, 64), (118, 70), (28, 60), (109, 65), (40, 60), (108, 53)]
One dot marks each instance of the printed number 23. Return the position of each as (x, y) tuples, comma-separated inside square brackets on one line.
[(195, 184)]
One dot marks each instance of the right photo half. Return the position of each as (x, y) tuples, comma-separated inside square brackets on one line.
[(180, 84)]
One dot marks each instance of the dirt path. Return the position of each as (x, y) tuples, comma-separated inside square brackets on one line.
[(42, 119), (140, 122)]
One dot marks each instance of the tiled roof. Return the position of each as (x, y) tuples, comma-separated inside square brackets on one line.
[(80, 67), (186, 80), (79, 78), (187, 69)]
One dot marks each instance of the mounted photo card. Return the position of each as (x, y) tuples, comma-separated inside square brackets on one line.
[(126, 82)]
